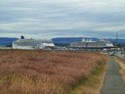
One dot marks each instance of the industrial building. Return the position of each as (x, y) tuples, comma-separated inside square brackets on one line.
[(89, 44), (32, 44)]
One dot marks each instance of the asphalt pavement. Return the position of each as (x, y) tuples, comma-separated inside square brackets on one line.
[(113, 83)]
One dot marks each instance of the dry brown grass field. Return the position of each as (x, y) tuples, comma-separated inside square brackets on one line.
[(121, 63), (45, 72)]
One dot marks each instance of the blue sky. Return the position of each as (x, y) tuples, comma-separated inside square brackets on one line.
[(62, 18)]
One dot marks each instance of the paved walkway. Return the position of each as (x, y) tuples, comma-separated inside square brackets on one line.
[(113, 83)]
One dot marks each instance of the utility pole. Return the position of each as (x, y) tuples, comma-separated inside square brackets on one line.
[(116, 42), (116, 39)]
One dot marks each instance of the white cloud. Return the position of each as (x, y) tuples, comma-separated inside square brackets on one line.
[(53, 16)]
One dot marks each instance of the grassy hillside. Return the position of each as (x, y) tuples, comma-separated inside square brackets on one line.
[(121, 63), (45, 72)]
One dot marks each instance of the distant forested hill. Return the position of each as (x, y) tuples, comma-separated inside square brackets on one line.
[(6, 41), (73, 39), (70, 40)]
